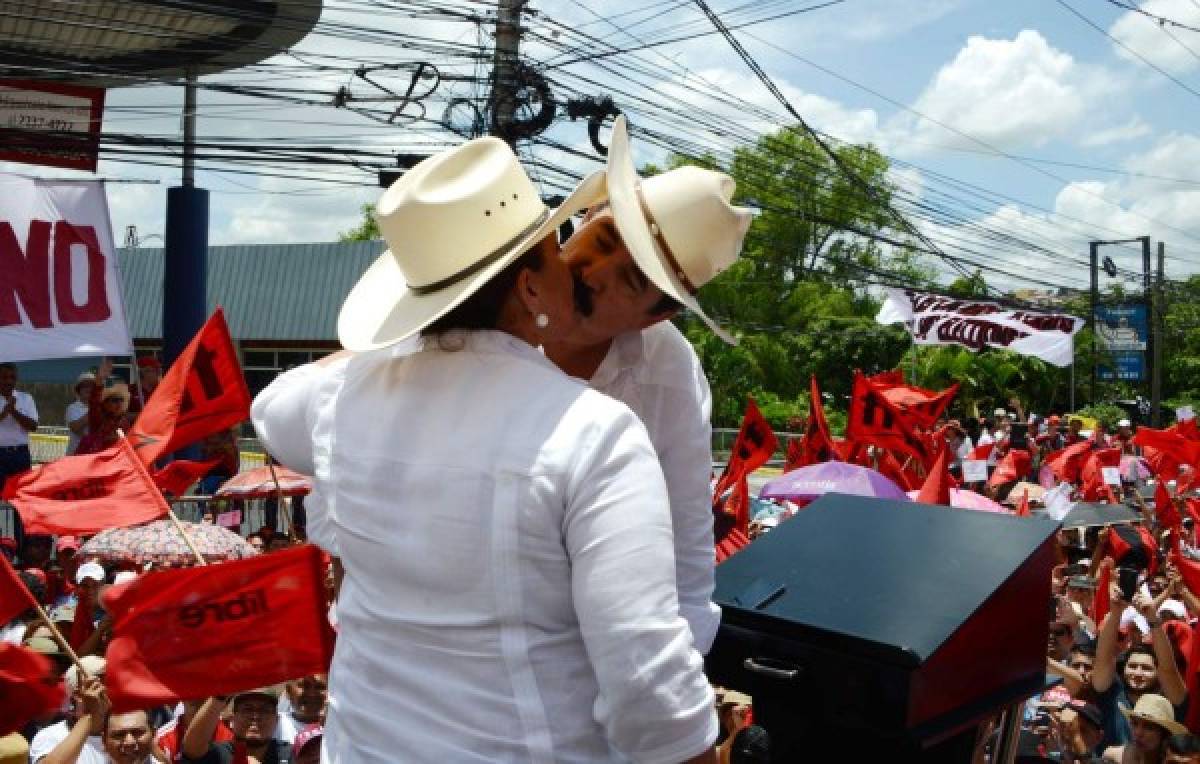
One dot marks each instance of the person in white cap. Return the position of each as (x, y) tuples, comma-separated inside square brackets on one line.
[(505, 532), (77, 739), (77, 410), (635, 264)]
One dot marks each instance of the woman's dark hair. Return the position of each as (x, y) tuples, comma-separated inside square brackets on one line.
[(482, 309), (1184, 743), (750, 745)]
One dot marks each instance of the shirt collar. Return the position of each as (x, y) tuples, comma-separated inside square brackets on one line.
[(487, 341)]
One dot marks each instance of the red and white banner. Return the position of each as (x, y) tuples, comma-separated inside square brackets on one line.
[(933, 319), (60, 293)]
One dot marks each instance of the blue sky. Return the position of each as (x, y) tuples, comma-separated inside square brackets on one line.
[(1025, 77)]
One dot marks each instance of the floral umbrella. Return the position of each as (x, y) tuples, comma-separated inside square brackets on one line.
[(159, 543), (258, 484)]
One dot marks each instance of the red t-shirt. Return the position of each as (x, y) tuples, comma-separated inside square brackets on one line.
[(170, 738)]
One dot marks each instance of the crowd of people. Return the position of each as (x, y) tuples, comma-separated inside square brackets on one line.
[(549, 598)]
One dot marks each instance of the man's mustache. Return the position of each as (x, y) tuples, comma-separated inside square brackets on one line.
[(584, 304)]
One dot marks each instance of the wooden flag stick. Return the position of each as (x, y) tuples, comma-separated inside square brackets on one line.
[(285, 510), (186, 538), (83, 674), (170, 512)]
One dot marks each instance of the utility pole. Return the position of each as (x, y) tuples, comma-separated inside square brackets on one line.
[(1094, 251), (504, 67), (1160, 317)]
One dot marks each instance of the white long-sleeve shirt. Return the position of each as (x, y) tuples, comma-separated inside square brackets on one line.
[(657, 374), (510, 588)]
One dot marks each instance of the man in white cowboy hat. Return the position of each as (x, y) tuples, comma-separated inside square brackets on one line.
[(509, 585), (636, 263)]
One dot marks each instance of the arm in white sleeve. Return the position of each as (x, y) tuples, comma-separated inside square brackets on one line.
[(654, 703), (682, 436), (282, 416)]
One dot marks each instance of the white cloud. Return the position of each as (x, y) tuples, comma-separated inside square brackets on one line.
[(1134, 128), (1145, 37), (1008, 93)]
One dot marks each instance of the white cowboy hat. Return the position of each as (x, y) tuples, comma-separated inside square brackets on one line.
[(451, 223), (679, 226)]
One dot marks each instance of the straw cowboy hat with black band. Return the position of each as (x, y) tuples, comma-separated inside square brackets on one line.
[(451, 223), (679, 227), (1156, 709)]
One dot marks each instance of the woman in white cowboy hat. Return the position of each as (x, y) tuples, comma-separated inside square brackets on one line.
[(106, 412), (635, 263), (509, 590), (1153, 723)]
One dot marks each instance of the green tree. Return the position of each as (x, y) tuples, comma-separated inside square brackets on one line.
[(367, 230)]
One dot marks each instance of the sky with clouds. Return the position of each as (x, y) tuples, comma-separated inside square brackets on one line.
[(1062, 133)]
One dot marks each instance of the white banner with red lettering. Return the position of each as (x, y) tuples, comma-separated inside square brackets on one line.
[(60, 293), (934, 319)]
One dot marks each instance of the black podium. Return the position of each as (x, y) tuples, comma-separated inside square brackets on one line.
[(891, 625)]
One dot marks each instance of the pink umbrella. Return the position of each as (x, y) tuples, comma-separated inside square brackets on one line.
[(258, 484), (1134, 468), (964, 499)]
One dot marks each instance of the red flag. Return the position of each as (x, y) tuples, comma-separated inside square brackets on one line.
[(887, 378), (754, 445), (923, 407), (818, 445), (27, 687), (1023, 505), (1188, 428), (795, 454), (203, 392), (84, 623), (1100, 603), (1067, 463), (1189, 570), (217, 629), (981, 452), (15, 597), (1014, 466), (936, 489), (1166, 450), (1164, 508), (1135, 546), (1094, 487), (181, 473), (902, 475), (79, 495), (873, 420)]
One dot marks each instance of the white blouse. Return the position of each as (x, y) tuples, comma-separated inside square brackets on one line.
[(657, 374), (510, 586)]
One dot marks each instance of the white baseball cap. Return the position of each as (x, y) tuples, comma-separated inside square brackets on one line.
[(92, 570)]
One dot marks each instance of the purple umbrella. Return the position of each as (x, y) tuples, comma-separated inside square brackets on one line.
[(813, 481)]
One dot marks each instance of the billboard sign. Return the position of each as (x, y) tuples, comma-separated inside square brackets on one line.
[(1123, 331), (50, 124)]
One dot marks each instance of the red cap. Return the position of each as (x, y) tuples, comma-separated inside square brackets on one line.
[(149, 362), (67, 542), (306, 736)]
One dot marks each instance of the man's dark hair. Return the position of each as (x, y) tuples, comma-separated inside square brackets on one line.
[(482, 309), (1084, 648), (1183, 743), (34, 585), (751, 745)]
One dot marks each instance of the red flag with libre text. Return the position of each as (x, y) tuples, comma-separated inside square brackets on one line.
[(28, 688), (203, 392), (80, 495), (217, 629)]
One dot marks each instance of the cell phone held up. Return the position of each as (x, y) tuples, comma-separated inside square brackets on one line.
[(1127, 579)]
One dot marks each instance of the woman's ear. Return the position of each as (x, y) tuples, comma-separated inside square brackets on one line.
[(527, 290)]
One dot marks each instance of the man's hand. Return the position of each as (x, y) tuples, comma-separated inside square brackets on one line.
[(95, 701)]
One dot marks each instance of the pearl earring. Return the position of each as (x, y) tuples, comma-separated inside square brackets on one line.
[(542, 320)]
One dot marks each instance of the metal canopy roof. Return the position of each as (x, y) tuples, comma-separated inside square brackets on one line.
[(287, 292), (124, 42)]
